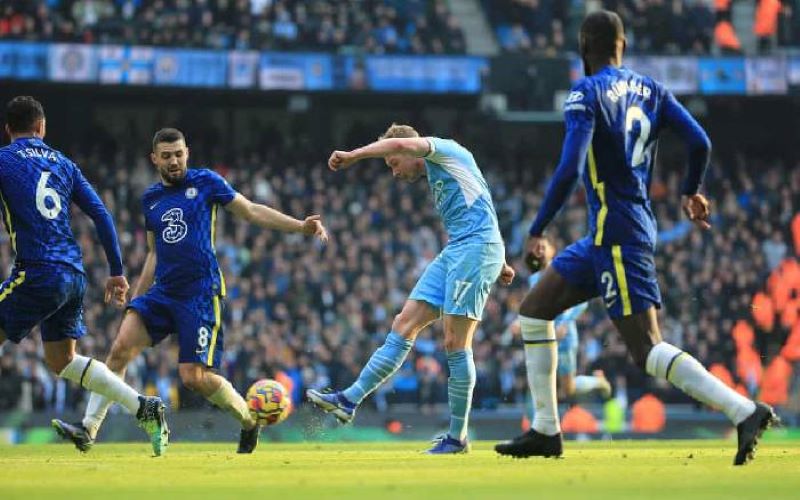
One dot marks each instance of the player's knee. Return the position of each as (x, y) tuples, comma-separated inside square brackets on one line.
[(451, 344), (403, 325), (454, 341), (640, 355), (119, 357), (192, 377), (537, 309), (57, 363)]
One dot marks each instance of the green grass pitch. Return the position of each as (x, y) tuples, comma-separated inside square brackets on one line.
[(675, 470)]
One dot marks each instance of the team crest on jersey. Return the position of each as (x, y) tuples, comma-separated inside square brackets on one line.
[(438, 190), (574, 96), (191, 193)]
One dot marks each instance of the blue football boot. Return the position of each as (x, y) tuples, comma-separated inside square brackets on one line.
[(335, 403), (446, 445)]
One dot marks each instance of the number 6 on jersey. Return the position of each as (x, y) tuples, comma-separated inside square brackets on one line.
[(42, 194)]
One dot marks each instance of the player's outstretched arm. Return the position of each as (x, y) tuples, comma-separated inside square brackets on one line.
[(410, 146), (573, 160), (84, 195), (269, 218), (149, 268)]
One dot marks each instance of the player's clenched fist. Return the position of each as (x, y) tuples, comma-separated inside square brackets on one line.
[(507, 274), (312, 226), (117, 290), (340, 160), (697, 209)]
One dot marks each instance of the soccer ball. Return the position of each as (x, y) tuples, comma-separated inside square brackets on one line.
[(269, 402)]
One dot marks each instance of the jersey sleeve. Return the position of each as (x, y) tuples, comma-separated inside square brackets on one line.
[(84, 195), (443, 149), (579, 107), (579, 117), (145, 201), (678, 118), (218, 188)]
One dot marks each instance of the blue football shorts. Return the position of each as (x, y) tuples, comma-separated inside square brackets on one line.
[(568, 353), (48, 295), (197, 320), (624, 276)]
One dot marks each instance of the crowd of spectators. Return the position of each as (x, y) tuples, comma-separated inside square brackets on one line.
[(313, 314), (374, 26), (547, 27), (677, 27), (538, 27)]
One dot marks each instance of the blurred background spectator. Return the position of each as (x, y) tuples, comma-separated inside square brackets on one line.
[(376, 26)]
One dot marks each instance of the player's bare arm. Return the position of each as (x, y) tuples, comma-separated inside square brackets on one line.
[(409, 146), (149, 268), (84, 195), (269, 218)]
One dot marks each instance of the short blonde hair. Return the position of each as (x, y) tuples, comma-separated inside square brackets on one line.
[(399, 131)]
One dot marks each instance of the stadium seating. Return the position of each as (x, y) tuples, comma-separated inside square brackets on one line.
[(374, 26)]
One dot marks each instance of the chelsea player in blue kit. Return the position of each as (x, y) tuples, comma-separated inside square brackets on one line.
[(181, 288), (454, 286), (614, 117), (47, 282)]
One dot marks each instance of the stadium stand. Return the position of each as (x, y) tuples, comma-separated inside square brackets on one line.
[(372, 26)]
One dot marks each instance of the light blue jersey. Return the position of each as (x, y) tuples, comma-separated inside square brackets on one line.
[(461, 194), (567, 346), (459, 280)]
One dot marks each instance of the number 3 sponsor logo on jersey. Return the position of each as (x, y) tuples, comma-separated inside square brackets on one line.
[(176, 228)]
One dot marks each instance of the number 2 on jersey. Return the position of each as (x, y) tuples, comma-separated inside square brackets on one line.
[(43, 193), (635, 114)]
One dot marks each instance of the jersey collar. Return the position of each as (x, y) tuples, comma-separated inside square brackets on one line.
[(31, 138)]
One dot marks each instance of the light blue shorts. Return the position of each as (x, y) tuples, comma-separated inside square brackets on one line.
[(459, 279), (568, 353)]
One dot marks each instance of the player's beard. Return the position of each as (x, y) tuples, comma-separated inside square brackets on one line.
[(173, 177), (411, 178)]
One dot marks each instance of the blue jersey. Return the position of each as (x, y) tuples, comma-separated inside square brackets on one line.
[(37, 186), (624, 108), (460, 193), (613, 121), (182, 219)]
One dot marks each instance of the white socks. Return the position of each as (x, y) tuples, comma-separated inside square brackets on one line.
[(95, 376), (666, 361), (231, 401), (96, 410), (541, 361), (585, 384)]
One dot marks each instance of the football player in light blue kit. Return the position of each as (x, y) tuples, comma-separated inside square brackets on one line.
[(454, 286), (570, 384), (47, 282), (181, 289)]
